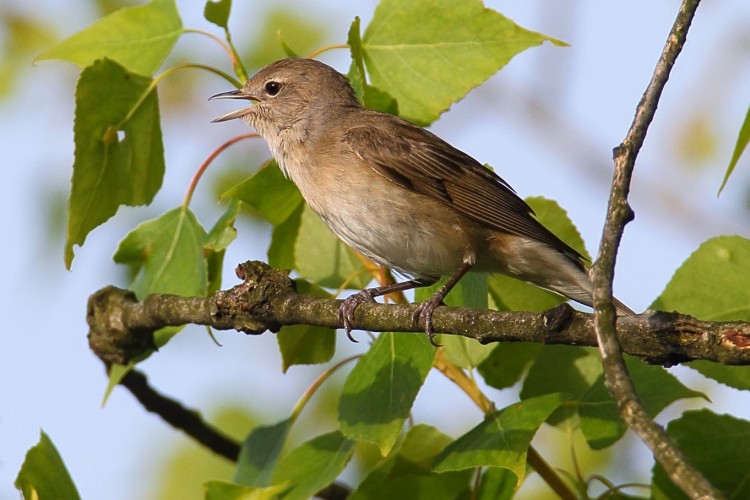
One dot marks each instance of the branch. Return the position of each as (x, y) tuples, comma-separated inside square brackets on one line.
[(179, 417), (190, 422), (121, 327), (679, 470)]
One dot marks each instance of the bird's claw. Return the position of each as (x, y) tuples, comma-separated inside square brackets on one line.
[(423, 313), (347, 307)]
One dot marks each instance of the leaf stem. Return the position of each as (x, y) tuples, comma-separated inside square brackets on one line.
[(305, 398), (228, 47), (155, 81), (326, 48), (199, 173)]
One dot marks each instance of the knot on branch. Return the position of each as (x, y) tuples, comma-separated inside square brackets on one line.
[(110, 336), (250, 306)]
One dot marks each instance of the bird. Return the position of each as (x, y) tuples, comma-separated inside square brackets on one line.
[(398, 194)]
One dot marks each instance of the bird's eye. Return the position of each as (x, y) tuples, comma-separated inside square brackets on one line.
[(272, 88)]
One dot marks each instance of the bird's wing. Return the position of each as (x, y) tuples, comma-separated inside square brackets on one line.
[(419, 160)]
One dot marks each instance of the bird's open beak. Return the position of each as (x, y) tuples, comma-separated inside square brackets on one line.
[(232, 94)]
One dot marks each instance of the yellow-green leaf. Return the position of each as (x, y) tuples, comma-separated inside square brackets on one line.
[(44, 475), (167, 255), (139, 38), (428, 54), (742, 140)]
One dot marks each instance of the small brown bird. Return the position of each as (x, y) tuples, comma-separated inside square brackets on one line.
[(399, 194)]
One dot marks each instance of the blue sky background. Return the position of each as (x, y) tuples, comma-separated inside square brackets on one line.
[(547, 123)]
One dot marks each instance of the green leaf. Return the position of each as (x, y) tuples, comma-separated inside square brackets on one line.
[(507, 363), (380, 390), (274, 196), (223, 490), (429, 53), (600, 421), (166, 254), (43, 474), (314, 465), (510, 294), (219, 237), (742, 139), (556, 219), (357, 68), (305, 345), (717, 446), (116, 374), (119, 157), (501, 440), (260, 453), (497, 484), (371, 97), (138, 37), (218, 12), (564, 369), (223, 233), (324, 259), (288, 50), (284, 241), (712, 283), (407, 472)]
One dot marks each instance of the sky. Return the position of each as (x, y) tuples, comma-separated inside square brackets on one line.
[(547, 123)]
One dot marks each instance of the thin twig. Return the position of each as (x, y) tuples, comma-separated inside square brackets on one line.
[(684, 475), (179, 417)]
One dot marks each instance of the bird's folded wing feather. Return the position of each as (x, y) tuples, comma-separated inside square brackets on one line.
[(417, 159)]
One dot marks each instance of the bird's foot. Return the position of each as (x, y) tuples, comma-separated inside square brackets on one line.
[(348, 306), (423, 314)]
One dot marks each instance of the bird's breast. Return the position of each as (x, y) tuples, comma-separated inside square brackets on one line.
[(392, 225)]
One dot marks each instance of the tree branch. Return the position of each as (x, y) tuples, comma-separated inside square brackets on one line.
[(684, 475), (179, 417), (191, 422), (121, 327)]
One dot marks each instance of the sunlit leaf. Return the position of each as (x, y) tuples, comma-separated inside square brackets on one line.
[(167, 254), (739, 148), (270, 193), (43, 474), (501, 440), (712, 283), (119, 157), (139, 38), (429, 64)]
